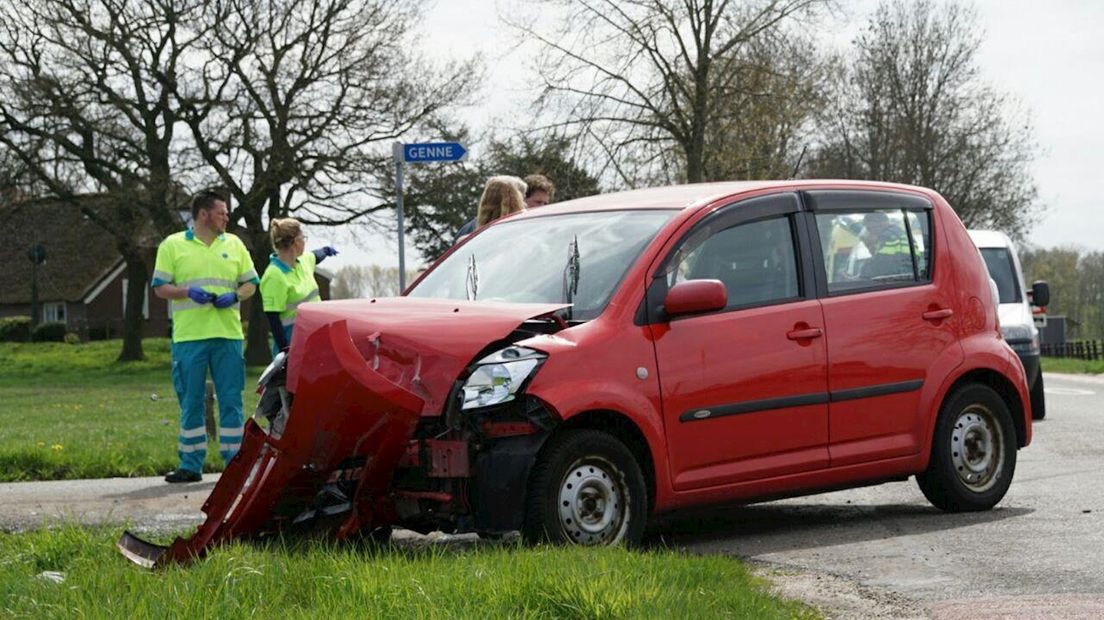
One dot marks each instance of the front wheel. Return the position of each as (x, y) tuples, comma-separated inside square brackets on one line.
[(586, 489), (973, 452)]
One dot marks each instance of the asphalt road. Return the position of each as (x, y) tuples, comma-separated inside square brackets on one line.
[(876, 552)]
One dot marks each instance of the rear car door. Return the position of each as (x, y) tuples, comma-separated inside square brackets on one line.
[(888, 318), (744, 389)]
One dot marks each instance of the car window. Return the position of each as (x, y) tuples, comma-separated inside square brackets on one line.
[(873, 248), (756, 261), (999, 263)]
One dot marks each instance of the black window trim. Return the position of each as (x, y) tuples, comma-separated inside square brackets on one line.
[(788, 204), (859, 201)]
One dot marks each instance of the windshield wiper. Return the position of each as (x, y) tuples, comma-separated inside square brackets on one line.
[(571, 275), (471, 282)]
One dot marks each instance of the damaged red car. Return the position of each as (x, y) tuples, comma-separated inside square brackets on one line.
[(574, 370)]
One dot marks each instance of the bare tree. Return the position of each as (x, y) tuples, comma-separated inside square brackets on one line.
[(646, 80), (295, 105), (86, 107), (913, 108)]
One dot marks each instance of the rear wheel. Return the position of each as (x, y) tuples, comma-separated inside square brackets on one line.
[(586, 489), (1038, 399), (973, 452)]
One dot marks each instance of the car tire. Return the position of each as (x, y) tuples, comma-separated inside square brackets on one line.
[(973, 452), (1038, 399), (587, 489)]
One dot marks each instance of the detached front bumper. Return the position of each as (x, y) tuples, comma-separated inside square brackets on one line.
[(331, 468)]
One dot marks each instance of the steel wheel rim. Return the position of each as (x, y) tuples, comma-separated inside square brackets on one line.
[(592, 503), (977, 448)]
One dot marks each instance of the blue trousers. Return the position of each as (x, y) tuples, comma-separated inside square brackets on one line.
[(190, 363)]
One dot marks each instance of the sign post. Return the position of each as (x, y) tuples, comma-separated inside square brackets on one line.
[(417, 153)]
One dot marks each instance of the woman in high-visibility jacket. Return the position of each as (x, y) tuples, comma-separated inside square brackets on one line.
[(289, 279)]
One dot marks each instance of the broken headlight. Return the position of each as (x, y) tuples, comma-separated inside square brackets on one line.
[(498, 377)]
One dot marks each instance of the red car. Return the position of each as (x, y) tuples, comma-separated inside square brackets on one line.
[(570, 371)]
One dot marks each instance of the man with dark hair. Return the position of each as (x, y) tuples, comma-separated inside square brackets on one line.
[(539, 191), (204, 272)]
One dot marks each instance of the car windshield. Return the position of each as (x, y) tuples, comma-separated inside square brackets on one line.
[(1003, 271), (576, 258)]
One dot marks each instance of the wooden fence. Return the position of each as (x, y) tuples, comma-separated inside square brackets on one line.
[(1080, 349)]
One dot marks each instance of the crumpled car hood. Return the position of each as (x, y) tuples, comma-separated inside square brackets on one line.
[(421, 345)]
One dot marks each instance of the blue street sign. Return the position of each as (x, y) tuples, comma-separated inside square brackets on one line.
[(428, 152)]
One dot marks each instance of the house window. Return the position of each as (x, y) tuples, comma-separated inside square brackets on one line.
[(145, 300), (54, 312)]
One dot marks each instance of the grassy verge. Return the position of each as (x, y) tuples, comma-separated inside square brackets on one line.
[(316, 580), (1070, 365), (72, 411)]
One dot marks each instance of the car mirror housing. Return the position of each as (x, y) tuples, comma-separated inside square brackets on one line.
[(1040, 293), (694, 296)]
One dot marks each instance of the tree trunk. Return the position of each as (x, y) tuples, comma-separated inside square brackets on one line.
[(133, 321)]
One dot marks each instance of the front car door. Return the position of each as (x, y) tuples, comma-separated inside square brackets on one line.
[(888, 315), (744, 389)]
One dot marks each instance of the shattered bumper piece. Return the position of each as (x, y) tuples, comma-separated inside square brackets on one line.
[(330, 469)]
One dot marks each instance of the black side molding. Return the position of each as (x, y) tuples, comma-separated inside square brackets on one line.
[(877, 390), (752, 406), (816, 398)]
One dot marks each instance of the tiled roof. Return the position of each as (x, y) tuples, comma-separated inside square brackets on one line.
[(78, 253)]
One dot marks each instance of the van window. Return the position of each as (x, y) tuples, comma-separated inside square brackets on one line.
[(756, 261), (1003, 271), (874, 248)]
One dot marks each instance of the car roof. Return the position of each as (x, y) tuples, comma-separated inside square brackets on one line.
[(990, 239), (697, 195)]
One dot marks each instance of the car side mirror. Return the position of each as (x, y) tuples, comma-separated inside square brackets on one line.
[(694, 296), (1040, 293)]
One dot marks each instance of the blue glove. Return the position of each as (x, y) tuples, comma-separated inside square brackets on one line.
[(199, 295), (226, 300), (329, 250)]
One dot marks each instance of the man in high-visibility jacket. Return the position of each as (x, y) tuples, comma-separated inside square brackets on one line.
[(205, 272), (890, 255)]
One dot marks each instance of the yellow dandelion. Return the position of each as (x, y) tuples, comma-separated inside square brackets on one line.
[(57, 447)]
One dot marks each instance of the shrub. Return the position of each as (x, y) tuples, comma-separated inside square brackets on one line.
[(71, 338), (53, 331), (15, 329)]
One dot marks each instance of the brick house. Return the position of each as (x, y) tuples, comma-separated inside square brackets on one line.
[(83, 282)]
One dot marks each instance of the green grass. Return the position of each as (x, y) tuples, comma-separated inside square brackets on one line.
[(1070, 365), (72, 412), (316, 580)]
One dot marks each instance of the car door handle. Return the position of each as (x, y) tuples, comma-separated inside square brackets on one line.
[(938, 315), (805, 334)]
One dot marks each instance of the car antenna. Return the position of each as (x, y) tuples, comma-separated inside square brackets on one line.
[(800, 158)]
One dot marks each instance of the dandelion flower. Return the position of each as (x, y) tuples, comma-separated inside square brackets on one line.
[(57, 447)]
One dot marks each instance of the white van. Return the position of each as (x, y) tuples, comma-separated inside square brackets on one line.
[(1016, 321)]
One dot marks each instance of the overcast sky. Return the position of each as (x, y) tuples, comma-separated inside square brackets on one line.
[(1050, 55)]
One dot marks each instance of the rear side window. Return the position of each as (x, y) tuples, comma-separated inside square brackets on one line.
[(1003, 271), (866, 249), (756, 261)]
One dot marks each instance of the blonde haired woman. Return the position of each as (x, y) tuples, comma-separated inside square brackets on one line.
[(502, 195), (289, 279)]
